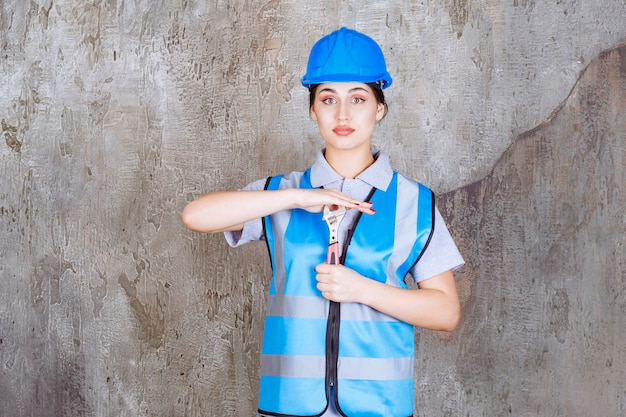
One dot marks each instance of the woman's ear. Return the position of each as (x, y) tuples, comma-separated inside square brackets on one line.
[(312, 114), (380, 112)]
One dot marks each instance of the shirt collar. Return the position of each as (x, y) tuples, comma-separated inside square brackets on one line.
[(377, 175)]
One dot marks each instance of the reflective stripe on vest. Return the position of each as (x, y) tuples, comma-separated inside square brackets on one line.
[(376, 352)]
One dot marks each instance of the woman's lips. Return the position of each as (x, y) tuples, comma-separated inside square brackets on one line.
[(343, 130)]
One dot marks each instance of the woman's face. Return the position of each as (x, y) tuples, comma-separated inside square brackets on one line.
[(346, 114)]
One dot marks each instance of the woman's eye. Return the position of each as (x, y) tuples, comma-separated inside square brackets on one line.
[(357, 100), (329, 100)]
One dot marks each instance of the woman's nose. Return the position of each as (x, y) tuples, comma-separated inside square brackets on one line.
[(342, 112)]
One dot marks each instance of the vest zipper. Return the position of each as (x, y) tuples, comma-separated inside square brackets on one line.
[(334, 320), (332, 344)]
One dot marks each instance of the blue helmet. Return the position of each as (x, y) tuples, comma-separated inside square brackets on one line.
[(346, 55)]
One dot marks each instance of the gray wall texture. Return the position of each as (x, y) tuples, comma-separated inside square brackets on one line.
[(116, 113)]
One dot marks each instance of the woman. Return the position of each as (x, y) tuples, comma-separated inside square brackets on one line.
[(339, 335)]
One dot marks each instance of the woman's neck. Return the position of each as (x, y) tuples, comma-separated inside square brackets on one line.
[(349, 163)]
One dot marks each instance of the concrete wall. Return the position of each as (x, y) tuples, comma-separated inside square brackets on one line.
[(545, 236), (114, 114)]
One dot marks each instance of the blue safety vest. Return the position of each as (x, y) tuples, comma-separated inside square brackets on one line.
[(312, 344)]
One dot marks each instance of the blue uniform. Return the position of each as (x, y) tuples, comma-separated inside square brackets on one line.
[(371, 371)]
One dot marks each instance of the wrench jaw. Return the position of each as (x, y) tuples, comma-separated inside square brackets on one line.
[(333, 216)]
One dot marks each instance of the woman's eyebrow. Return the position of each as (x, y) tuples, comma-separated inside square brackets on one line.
[(352, 90)]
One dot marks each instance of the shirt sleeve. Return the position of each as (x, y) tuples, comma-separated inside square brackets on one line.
[(253, 229), (440, 255)]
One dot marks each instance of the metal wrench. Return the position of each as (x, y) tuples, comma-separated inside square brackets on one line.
[(333, 217)]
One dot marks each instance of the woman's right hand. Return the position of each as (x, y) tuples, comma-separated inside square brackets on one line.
[(314, 200)]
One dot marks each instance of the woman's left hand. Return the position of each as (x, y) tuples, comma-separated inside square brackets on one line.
[(339, 283), (435, 305)]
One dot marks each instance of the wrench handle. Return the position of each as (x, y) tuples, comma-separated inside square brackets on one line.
[(333, 254)]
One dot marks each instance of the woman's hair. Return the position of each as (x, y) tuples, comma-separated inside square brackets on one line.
[(378, 93)]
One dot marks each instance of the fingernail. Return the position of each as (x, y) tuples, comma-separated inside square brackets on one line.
[(373, 211), (357, 204)]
